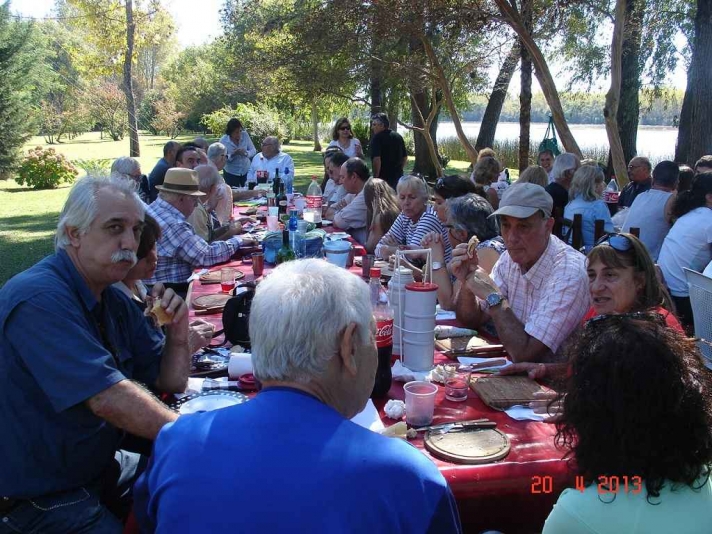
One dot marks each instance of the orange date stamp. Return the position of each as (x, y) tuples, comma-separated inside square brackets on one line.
[(605, 485)]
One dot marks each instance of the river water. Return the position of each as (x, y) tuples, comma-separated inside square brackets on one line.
[(654, 142)]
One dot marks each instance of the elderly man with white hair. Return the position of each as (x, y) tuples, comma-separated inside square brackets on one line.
[(130, 169), (294, 442), (180, 248), (71, 347), (565, 166), (204, 220), (271, 160)]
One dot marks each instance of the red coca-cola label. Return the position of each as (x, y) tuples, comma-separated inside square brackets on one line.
[(384, 333), (314, 201)]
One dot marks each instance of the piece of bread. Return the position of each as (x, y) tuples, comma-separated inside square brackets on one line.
[(472, 246), (159, 314)]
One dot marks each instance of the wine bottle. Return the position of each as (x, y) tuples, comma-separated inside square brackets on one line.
[(282, 199), (285, 253)]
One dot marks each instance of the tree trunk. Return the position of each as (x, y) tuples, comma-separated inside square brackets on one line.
[(315, 126), (444, 84), (376, 92), (543, 75), (694, 138), (420, 107), (488, 127), (423, 129), (631, 70), (525, 95), (134, 149), (610, 111)]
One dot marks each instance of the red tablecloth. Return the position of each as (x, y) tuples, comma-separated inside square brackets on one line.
[(514, 494)]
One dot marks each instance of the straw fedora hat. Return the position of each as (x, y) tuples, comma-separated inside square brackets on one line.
[(181, 181)]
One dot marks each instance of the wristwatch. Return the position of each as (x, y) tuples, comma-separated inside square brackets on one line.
[(437, 265), (494, 299)]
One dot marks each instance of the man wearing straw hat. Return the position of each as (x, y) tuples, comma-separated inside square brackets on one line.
[(538, 292), (180, 249)]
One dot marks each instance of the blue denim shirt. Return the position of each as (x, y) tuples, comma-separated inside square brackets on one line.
[(53, 359), (590, 210)]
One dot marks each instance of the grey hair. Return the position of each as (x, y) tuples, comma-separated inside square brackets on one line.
[(201, 142), (566, 161), (215, 151), (298, 315), (80, 209), (170, 196), (415, 184), (125, 165), (208, 176), (584, 183), (471, 213), (534, 174), (274, 139)]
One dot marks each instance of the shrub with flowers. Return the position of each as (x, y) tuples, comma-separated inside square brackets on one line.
[(45, 169)]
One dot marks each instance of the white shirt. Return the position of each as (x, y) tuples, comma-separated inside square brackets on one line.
[(236, 163), (351, 150), (352, 217), (281, 161), (648, 213), (552, 297), (687, 245), (708, 270)]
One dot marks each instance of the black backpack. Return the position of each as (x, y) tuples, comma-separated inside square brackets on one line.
[(236, 317)]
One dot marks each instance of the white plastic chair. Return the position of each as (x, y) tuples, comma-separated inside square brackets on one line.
[(701, 300)]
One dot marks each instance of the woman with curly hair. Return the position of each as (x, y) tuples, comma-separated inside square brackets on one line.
[(381, 210), (343, 138), (637, 425)]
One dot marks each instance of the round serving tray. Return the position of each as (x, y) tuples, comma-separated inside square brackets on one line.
[(213, 277), (468, 446), (217, 300)]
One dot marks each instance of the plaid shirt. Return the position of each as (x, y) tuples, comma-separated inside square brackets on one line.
[(552, 297), (180, 249)]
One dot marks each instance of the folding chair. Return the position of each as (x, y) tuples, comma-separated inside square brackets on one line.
[(701, 300)]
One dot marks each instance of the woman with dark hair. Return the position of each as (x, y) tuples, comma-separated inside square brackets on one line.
[(199, 332), (382, 209), (684, 182), (450, 186), (343, 137), (468, 216), (637, 426), (239, 150), (688, 244)]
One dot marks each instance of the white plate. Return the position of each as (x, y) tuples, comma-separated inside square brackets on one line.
[(208, 404), (336, 236), (326, 222)]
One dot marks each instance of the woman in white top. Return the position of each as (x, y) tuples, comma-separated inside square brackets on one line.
[(688, 244), (345, 140), (240, 150)]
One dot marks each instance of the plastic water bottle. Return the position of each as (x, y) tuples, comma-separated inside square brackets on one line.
[(383, 315), (314, 200), (287, 179), (293, 236), (302, 238)]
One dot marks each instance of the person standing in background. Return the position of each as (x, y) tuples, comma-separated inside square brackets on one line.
[(388, 154), (239, 151)]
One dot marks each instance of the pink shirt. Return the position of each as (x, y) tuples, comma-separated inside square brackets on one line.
[(552, 297)]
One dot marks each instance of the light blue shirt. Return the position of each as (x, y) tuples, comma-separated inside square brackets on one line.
[(591, 210), (281, 161), (236, 163)]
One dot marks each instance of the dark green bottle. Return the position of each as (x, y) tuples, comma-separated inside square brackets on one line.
[(285, 253)]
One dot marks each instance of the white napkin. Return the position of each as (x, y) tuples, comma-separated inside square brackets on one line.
[(197, 275), (369, 418), (522, 413), (402, 374), (443, 315)]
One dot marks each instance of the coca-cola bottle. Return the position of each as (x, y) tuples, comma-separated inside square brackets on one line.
[(383, 315)]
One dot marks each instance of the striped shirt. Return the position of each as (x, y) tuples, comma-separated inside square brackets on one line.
[(552, 297), (406, 232), (180, 249)]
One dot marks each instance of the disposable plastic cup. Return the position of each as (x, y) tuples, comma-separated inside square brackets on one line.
[(419, 403), (337, 252), (258, 263), (273, 210), (272, 223), (227, 279)]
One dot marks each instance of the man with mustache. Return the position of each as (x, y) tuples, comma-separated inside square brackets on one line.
[(74, 355)]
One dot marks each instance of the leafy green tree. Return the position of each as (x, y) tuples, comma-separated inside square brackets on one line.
[(19, 76)]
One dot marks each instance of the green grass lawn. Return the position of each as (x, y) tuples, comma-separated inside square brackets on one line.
[(28, 218)]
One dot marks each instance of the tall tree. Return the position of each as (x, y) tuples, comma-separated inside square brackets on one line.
[(695, 131), (134, 147), (630, 82), (610, 111), (525, 95), (18, 74), (488, 126)]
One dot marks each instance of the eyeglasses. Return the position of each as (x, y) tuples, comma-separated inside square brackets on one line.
[(617, 242), (640, 316), (345, 128)]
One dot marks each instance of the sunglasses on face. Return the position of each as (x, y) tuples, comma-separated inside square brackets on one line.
[(640, 316), (617, 242), (345, 128)]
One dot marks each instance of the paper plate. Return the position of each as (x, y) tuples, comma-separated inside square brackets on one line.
[(207, 401)]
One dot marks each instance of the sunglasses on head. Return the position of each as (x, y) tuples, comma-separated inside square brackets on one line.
[(640, 316), (617, 242)]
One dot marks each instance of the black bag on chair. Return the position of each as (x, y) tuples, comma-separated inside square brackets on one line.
[(236, 317)]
